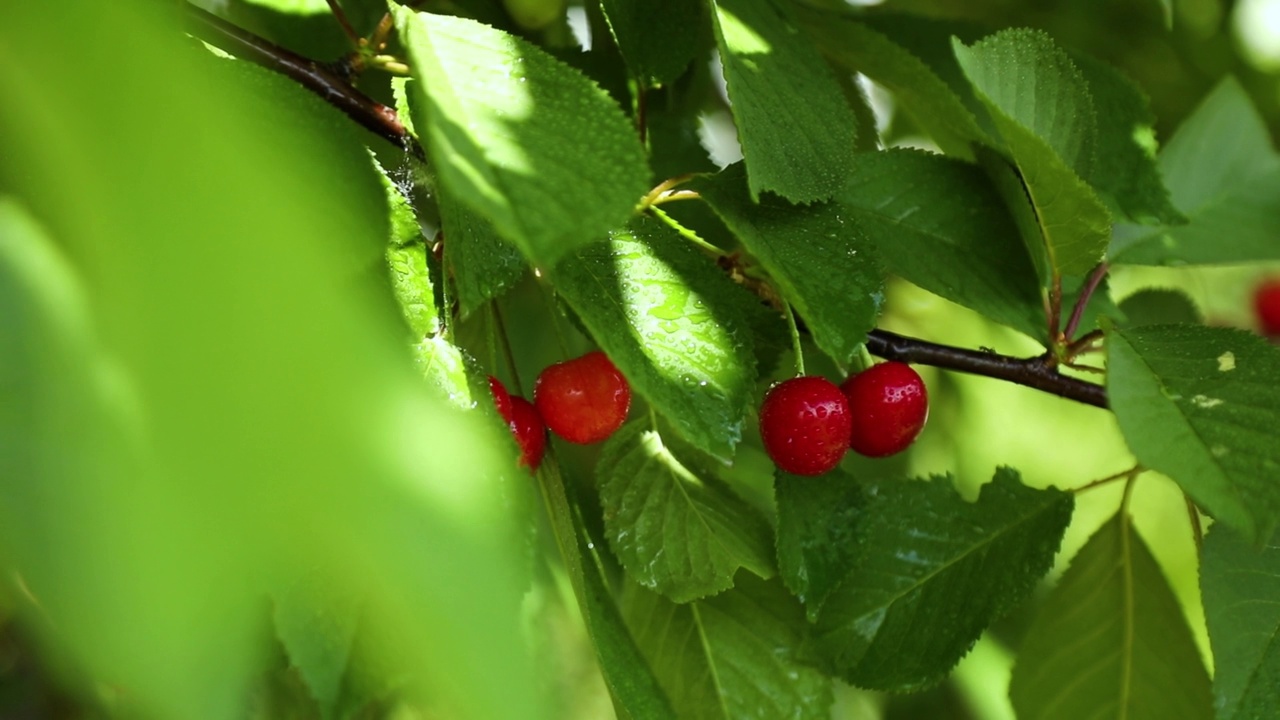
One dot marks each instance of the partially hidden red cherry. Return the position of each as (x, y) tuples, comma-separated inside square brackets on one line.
[(889, 405), (583, 400), (1266, 307), (501, 398), (804, 423), (526, 424)]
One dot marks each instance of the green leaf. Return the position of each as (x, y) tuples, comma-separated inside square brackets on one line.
[(520, 137), (817, 256), (929, 572), (678, 532), (795, 128), (1125, 167), (484, 265), (668, 319), (731, 656), (921, 89), (940, 224), (1111, 641), (411, 284), (1240, 583), (317, 628), (445, 368), (818, 521), (657, 38), (1159, 306), (1202, 406), (1223, 173), (1045, 114)]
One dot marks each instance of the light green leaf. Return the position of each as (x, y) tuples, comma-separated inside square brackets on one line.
[(1241, 582), (920, 88), (1223, 173), (678, 532), (317, 627), (657, 38), (1111, 641), (735, 655), (795, 128), (484, 265), (1125, 168), (929, 573), (940, 224), (668, 319), (1045, 114), (411, 284), (520, 137), (818, 257), (1202, 406)]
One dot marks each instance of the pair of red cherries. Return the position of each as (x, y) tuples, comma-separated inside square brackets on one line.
[(583, 400), (808, 423)]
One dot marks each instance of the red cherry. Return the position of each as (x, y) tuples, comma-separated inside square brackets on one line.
[(526, 424), (889, 405), (583, 400), (501, 398), (1266, 306), (804, 423)]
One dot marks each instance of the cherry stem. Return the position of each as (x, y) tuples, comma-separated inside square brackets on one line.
[(1197, 531), (1131, 472), (341, 16), (1035, 372), (795, 337), (1095, 279), (1055, 309)]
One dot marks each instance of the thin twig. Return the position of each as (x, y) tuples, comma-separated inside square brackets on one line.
[(1095, 278), (341, 16)]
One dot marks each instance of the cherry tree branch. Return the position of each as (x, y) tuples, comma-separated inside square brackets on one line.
[(331, 81), (333, 85)]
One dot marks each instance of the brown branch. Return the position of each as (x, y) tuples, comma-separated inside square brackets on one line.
[(1033, 372), (330, 81)]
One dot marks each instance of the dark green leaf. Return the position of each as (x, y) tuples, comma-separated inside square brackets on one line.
[(1045, 114), (1224, 174), (669, 320), (940, 224), (929, 572), (317, 628), (1125, 168), (862, 47), (1240, 583), (818, 521), (1159, 306), (520, 137), (484, 265), (678, 532), (817, 256), (1202, 406), (794, 125), (1111, 641), (730, 656), (657, 38)]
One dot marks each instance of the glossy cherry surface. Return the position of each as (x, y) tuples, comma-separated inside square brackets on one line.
[(804, 423), (888, 405), (531, 433), (583, 400)]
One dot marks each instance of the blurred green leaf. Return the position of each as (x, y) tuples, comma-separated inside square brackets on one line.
[(657, 38), (1111, 641), (1159, 306), (669, 320), (317, 628), (818, 257), (929, 573), (862, 46), (1241, 582), (794, 125), (735, 655), (484, 265), (678, 532), (520, 137), (1044, 112), (1125, 167), (1223, 173), (1202, 406), (940, 224)]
